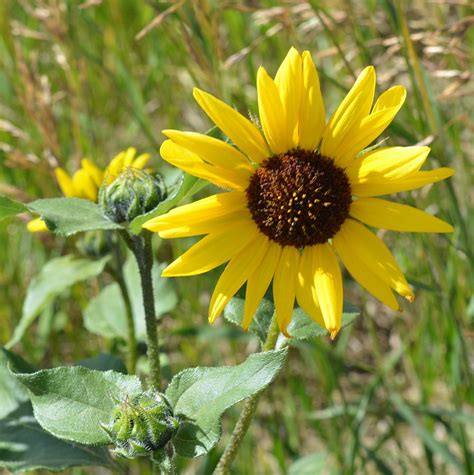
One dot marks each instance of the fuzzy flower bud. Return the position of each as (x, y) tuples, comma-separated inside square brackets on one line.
[(131, 194), (141, 425)]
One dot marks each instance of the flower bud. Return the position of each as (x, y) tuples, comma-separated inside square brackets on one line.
[(95, 244), (131, 194), (141, 425)]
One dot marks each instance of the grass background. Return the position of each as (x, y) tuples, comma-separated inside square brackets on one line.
[(394, 393)]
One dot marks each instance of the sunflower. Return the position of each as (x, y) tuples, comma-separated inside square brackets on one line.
[(301, 193), (86, 181)]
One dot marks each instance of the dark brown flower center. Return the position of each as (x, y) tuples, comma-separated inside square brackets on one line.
[(299, 198)]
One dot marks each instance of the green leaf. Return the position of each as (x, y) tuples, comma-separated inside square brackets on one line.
[(12, 393), (185, 187), (54, 278), (234, 313), (25, 446), (70, 403), (313, 464), (9, 207), (67, 216), (301, 327), (105, 314), (201, 395)]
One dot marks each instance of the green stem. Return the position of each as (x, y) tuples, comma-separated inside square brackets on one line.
[(142, 250), (246, 416)]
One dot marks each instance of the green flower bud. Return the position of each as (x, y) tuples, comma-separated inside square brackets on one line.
[(142, 425), (131, 194), (95, 244)]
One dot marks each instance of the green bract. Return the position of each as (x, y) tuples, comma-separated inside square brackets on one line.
[(141, 425), (132, 194)]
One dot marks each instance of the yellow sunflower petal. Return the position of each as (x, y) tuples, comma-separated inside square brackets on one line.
[(237, 271), (306, 293), (239, 129), (376, 256), (385, 109), (210, 208), (328, 281), (36, 225), (361, 272), (387, 163), (379, 186), (259, 281), (189, 162), (206, 226), (65, 183), (84, 185), (141, 161), (312, 116), (289, 82), (387, 215), (115, 166), (211, 150), (129, 156), (272, 116), (347, 117), (96, 174), (284, 286), (212, 250)]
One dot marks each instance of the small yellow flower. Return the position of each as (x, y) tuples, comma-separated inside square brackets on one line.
[(301, 194), (86, 181)]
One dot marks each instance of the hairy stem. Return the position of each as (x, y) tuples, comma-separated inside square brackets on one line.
[(247, 413), (142, 250)]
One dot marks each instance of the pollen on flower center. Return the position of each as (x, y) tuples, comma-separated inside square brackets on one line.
[(299, 198)]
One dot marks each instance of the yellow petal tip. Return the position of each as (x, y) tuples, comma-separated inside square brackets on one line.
[(167, 132), (197, 92), (167, 272), (212, 318), (333, 334)]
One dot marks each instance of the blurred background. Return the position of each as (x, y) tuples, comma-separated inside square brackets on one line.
[(394, 394)]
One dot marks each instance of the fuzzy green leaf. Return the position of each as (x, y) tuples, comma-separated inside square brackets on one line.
[(54, 278), (67, 216), (234, 313), (25, 446), (201, 395), (71, 402), (9, 207)]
